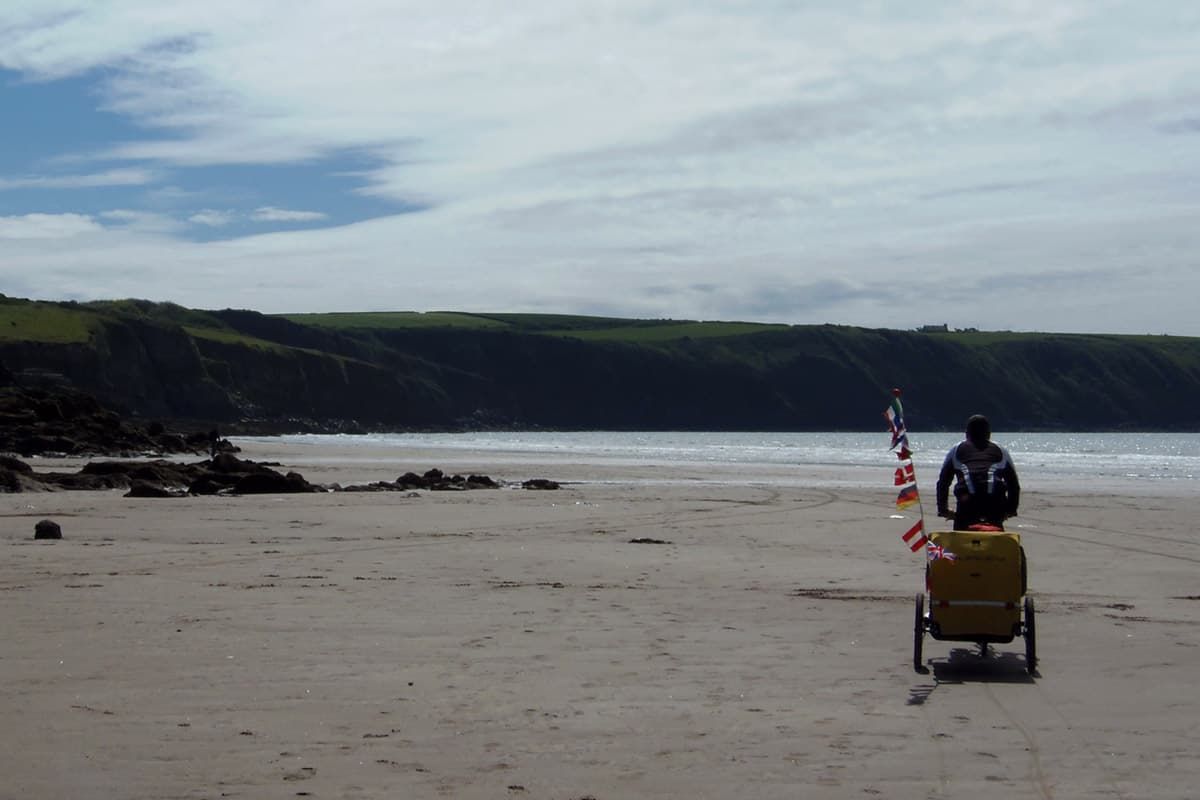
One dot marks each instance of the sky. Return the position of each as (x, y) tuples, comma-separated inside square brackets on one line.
[(1030, 165)]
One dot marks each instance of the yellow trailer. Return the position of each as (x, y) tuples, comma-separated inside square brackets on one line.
[(976, 584)]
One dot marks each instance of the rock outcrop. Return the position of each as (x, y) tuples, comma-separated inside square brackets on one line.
[(434, 480), (225, 474), (62, 421)]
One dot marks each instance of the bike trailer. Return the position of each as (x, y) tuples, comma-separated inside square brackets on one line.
[(975, 588)]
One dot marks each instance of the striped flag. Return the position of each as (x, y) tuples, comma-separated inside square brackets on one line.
[(915, 536), (908, 497)]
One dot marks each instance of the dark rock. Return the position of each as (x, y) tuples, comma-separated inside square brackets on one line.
[(121, 474), (171, 443), (14, 464), (16, 481), (106, 468), (147, 489), (205, 485), (10, 482), (227, 462), (270, 482), (47, 529), (42, 421), (37, 444), (482, 481), (378, 486), (411, 480), (84, 481), (539, 483), (159, 472), (455, 483)]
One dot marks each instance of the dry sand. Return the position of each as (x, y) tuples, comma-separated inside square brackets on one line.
[(517, 644)]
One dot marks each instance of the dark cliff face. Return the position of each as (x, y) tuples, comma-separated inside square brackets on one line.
[(283, 383), (568, 383), (133, 366), (162, 361)]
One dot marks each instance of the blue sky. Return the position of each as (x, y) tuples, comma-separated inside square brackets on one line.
[(1002, 165)]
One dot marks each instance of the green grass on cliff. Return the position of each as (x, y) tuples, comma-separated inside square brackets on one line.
[(394, 320), (44, 322), (608, 329), (233, 337), (164, 313), (669, 332)]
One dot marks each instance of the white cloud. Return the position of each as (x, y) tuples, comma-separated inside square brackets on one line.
[(121, 215), (213, 218), (111, 177), (46, 226), (664, 157), (142, 221), (272, 214), (217, 218)]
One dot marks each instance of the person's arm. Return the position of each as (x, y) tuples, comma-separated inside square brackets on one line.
[(1014, 486), (943, 485)]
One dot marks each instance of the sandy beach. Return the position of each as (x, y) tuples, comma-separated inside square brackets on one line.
[(635, 634)]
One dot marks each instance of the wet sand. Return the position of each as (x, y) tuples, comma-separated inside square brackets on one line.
[(755, 643)]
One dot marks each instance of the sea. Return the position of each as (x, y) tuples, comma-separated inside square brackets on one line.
[(1129, 461)]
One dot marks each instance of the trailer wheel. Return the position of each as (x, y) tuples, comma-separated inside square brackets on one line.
[(1030, 637), (918, 632)]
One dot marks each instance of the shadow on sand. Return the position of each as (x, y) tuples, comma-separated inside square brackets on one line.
[(971, 665)]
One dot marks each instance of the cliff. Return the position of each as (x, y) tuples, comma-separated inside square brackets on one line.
[(397, 371)]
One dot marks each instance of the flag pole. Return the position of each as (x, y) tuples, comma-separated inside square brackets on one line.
[(913, 464), (916, 536)]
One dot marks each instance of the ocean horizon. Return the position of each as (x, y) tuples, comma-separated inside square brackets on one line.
[(1077, 459)]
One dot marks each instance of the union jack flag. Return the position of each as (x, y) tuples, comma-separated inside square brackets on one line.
[(936, 551)]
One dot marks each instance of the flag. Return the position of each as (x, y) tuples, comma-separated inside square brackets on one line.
[(895, 417), (915, 537), (908, 497), (936, 551), (905, 475)]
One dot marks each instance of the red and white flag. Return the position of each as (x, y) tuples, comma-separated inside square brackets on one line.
[(915, 536)]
